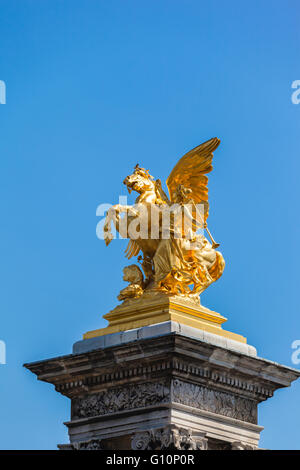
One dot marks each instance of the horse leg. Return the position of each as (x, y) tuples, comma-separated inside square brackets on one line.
[(113, 215)]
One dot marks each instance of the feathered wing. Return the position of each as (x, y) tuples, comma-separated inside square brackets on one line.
[(191, 172)]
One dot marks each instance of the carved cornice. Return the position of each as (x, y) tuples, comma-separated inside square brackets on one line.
[(203, 374), (231, 380), (165, 356)]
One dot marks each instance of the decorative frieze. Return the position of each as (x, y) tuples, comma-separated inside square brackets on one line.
[(207, 399), (121, 399), (146, 394)]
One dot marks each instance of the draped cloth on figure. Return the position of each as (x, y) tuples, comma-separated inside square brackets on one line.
[(182, 262)]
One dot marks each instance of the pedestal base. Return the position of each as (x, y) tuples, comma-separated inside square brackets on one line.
[(152, 309), (162, 387)]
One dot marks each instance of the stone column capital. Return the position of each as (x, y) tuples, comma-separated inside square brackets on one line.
[(168, 437)]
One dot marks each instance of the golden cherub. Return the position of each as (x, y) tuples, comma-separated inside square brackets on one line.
[(185, 262)]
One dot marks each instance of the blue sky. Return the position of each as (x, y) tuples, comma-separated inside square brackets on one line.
[(93, 87)]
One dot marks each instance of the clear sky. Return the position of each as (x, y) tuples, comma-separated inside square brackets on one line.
[(92, 88)]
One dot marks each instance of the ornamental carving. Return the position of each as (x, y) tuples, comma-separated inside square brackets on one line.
[(222, 403), (121, 399), (92, 444), (239, 445), (153, 393), (168, 438)]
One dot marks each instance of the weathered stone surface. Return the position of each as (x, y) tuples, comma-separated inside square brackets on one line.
[(223, 403), (239, 445), (92, 444), (164, 392), (167, 389), (159, 329), (120, 399), (168, 438)]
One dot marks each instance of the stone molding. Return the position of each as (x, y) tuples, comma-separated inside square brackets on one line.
[(231, 381), (158, 329), (173, 355)]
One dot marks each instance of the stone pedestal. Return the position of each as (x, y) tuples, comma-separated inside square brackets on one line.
[(163, 386)]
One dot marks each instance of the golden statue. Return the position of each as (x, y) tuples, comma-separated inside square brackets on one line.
[(178, 262), (175, 260)]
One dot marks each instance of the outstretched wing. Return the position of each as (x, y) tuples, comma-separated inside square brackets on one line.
[(191, 172)]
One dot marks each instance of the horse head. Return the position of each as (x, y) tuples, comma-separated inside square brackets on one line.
[(139, 181)]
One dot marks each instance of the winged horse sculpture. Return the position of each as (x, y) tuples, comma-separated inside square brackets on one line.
[(185, 262)]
